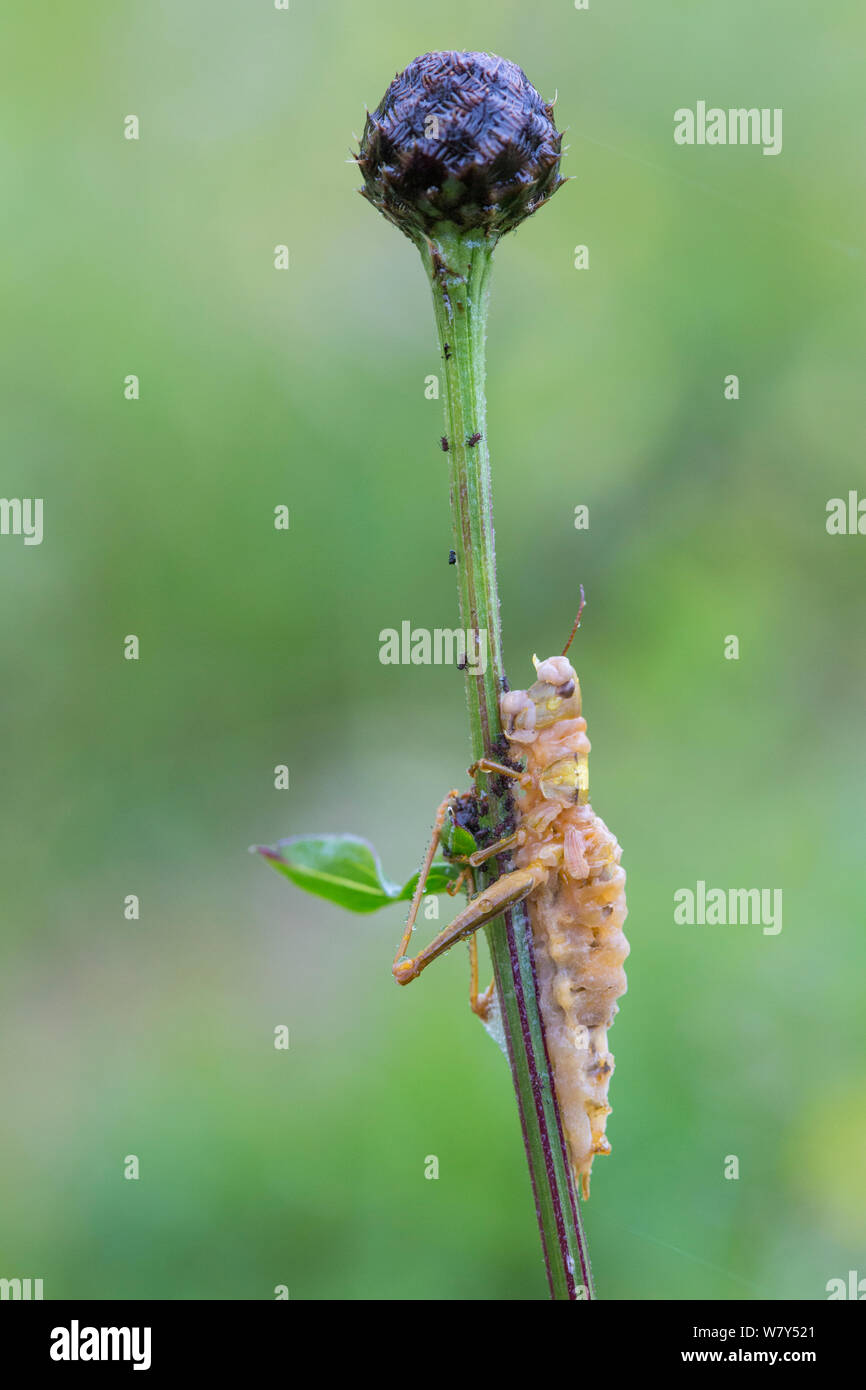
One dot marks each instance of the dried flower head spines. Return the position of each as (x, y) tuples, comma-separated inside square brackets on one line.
[(462, 138)]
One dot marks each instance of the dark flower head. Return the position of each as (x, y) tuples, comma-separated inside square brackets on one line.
[(460, 137)]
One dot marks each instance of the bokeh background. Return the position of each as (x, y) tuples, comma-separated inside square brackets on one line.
[(258, 647)]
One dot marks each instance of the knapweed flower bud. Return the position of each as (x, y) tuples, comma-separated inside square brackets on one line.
[(462, 138)]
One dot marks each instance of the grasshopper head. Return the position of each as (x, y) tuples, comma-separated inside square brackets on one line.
[(556, 692), (555, 695)]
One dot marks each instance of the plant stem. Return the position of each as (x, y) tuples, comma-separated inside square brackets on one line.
[(459, 265)]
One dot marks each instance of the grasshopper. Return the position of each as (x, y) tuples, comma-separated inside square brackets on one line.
[(567, 869)]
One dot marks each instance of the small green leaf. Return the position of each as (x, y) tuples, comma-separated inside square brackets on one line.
[(346, 870), (457, 840), (440, 876), (342, 868)]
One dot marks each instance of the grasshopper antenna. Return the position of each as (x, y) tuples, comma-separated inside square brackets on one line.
[(576, 621)]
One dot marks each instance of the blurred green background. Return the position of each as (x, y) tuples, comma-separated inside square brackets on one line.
[(258, 647)]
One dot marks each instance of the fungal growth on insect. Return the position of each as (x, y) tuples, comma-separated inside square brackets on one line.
[(578, 907), (567, 867)]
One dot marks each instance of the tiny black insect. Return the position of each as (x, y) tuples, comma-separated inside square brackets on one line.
[(447, 350), (452, 557), (462, 664), (473, 440), (444, 442), (466, 811)]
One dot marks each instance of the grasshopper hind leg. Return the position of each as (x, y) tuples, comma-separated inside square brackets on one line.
[(490, 903), (482, 907)]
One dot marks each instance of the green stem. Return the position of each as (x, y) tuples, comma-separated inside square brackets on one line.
[(459, 266)]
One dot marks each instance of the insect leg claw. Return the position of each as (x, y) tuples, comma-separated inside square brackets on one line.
[(405, 970)]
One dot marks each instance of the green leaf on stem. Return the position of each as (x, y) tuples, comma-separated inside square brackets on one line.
[(346, 870), (457, 841)]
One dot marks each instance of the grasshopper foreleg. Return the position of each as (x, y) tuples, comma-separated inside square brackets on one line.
[(497, 770), (422, 877), (499, 847)]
